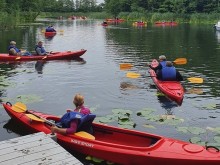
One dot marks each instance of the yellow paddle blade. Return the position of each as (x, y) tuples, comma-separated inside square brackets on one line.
[(42, 31), (132, 75), (35, 118), (180, 61), (126, 65), (18, 58), (85, 135), (195, 80), (19, 107)]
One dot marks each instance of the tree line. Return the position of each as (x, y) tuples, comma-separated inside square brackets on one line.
[(163, 6)]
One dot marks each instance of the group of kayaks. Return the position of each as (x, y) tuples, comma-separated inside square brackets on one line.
[(118, 145)]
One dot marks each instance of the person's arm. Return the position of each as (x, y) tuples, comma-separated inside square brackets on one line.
[(72, 129)]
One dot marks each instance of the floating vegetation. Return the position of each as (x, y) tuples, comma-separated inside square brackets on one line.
[(121, 116), (212, 106), (192, 130), (94, 159), (28, 99), (162, 119), (159, 94)]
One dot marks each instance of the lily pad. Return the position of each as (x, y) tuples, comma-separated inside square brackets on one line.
[(149, 126), (104, 119), (217, 139), (28, 98), (122, 111), (126, 126), (145, 112), (195, 140), (196, 130), (182, 129)]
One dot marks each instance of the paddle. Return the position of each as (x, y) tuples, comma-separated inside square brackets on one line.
[(195, 80), (190, 79), (132, 75), (22, 108), (178, 61)]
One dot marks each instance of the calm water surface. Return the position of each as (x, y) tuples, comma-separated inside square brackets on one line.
[(50, 87)]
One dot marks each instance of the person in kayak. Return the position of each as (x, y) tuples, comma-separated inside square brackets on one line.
[(162, 63), (50, 29), (14, 51), (79, 119), (40, 49), (169, 73)]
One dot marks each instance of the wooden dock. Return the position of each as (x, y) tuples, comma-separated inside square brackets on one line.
[(34, 149)]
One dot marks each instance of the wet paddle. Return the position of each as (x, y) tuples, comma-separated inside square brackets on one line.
[(178, 61), (195, 80)]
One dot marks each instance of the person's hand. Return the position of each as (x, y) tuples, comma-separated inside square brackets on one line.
[(53, 129)]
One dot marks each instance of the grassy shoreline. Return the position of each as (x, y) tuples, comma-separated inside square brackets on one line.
[(12, 20)]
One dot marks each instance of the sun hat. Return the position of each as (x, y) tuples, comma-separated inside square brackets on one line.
[(162, 57), (13, 43)]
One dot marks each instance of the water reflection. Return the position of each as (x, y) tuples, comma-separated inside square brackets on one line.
[(39, 66)]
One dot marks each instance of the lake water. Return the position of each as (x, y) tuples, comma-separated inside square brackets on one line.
[(50, 87)]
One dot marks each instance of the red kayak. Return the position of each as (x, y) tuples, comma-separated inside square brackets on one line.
[(51, 56), (115, 20), (140, 23), (50, 34), (172, 89), (123, 146), (164, 23)]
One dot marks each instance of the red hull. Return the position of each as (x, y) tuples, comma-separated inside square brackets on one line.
[(50, 34), (172, 89), (125, 146), (166, 23), (115, 20), (52, 56)]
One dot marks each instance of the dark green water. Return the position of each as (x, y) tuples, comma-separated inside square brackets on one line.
[(50, 87)]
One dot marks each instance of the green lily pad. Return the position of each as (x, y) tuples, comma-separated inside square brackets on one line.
[(122, 111), (28, 98), (195, 140), (97, 160), (149, 126), (182, 129), (196, 130), (126, 123), (104, 119), (145, 112), (217, 130), (217, 139)]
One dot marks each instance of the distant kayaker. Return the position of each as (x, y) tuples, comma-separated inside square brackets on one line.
[(40, 49), (79, 119), (50, 29), (162, 63), (169, 73), (14, 51)]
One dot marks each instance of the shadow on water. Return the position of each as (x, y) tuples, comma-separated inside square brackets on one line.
[(13, 127)]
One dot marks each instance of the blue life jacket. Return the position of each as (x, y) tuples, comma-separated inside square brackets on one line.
[(42, 50), (168, 73), (16, 49), (84, 121), (50, 29), (163, 63)]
